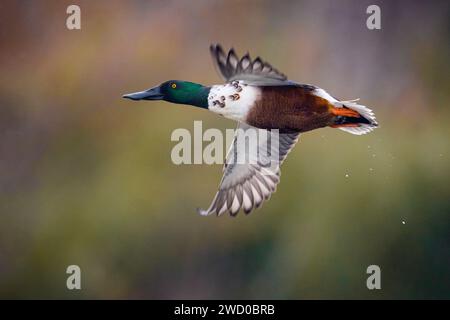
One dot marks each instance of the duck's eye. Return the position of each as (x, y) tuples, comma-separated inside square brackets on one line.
[(174, 85)]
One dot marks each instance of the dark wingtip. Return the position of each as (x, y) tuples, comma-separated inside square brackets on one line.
[(215, 48), (234, 215)]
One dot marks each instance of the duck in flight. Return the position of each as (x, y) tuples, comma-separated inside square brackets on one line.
[(260, 98)]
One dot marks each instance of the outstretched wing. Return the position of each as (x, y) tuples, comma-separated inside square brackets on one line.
[(255, 72), (249, 177)]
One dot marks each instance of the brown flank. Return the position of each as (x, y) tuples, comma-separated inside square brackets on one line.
[(290, 108)]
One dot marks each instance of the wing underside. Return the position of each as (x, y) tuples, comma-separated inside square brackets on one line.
[(250, 175)]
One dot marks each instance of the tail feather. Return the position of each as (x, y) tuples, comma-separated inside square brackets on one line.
[(362, 123), (349, 115)]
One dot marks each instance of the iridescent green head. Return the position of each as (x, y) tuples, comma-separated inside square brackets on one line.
[(175, 91)]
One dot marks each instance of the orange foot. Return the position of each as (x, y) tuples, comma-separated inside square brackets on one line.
[(346, 112), (345, 125)]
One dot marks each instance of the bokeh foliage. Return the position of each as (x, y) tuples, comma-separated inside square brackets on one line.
[(86, 177)]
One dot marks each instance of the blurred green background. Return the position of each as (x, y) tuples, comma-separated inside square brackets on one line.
[(86, 176)]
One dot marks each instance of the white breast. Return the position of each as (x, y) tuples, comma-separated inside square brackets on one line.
[(233, 100)]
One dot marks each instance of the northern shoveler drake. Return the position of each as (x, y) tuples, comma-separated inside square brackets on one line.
[(259, 97)]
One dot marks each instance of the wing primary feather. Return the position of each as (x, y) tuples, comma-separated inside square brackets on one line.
[(258, 64), (230, 197), (247, 202), (252, 72), (248, 189), (239, 193), (263, 181), (220, 201), (257, 194), (246, 62), (232, 59)]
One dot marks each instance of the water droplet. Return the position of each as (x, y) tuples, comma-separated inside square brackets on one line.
[(403, 222), (347, 175)]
